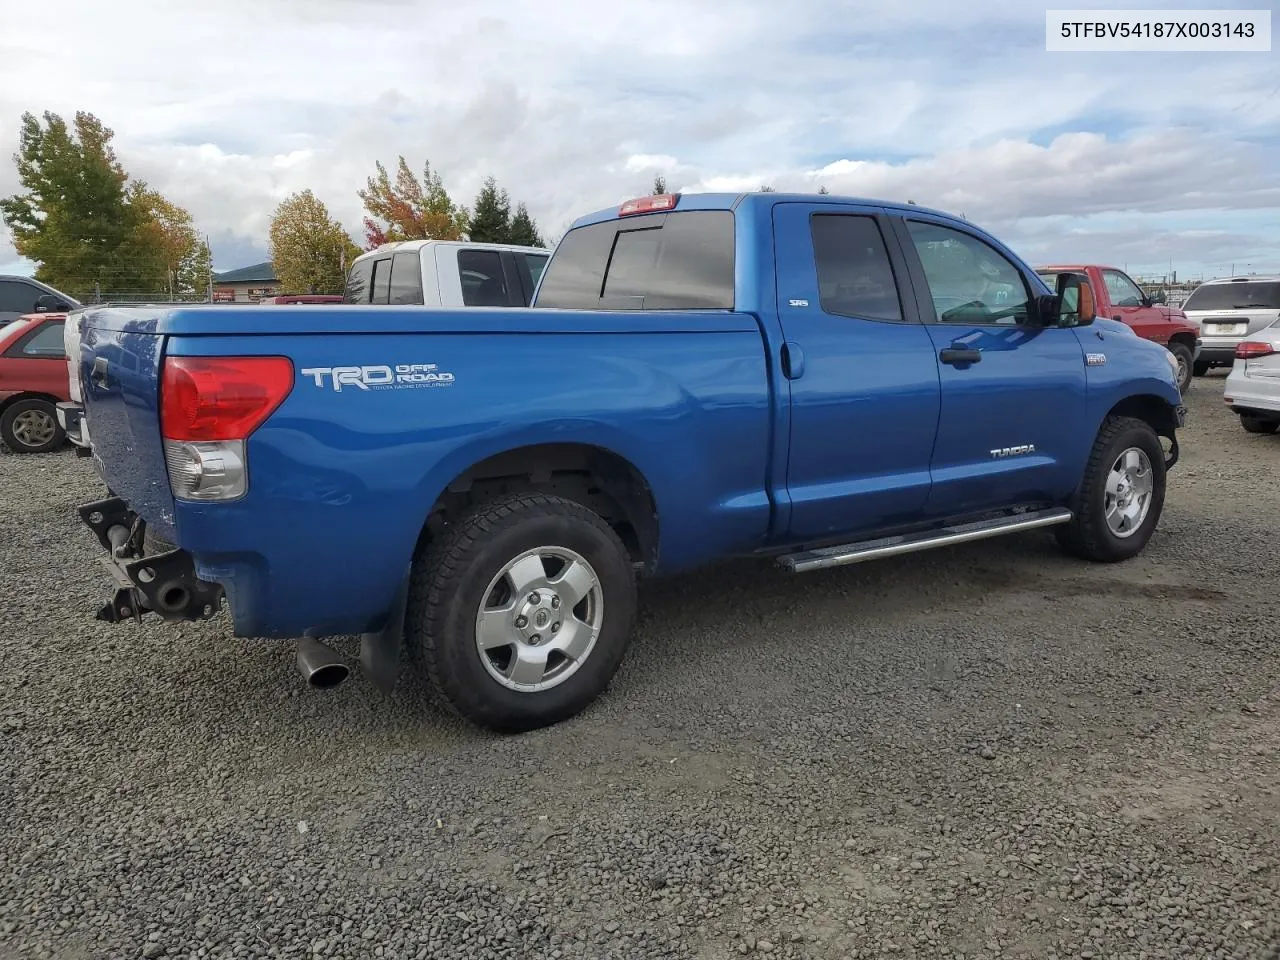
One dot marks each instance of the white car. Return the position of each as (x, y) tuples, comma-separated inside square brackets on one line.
[(446, 273), (1253, 386), (1228, 311)]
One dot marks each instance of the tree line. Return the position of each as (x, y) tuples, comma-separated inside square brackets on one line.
[(94, 231)]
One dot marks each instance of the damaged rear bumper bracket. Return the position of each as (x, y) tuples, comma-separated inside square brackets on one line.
[(164, 583)]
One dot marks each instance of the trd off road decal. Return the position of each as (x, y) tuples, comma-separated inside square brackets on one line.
[(379, 376)]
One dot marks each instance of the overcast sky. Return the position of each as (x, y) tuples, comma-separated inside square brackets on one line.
[(227, 107)]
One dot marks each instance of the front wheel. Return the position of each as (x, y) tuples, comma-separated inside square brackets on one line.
[(1254, 423), (1121, 497), (1182, 353), (520, 614), (31, 426)]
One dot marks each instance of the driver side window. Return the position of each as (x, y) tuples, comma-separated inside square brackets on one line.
[(969, 280), (1122, 291)]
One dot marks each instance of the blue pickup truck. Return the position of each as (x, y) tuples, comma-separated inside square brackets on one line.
[(813, 379)]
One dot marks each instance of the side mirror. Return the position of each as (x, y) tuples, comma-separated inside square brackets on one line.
[(48, 303), (1074, 305)]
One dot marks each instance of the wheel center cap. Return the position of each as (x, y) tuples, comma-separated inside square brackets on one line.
[(538, 619)]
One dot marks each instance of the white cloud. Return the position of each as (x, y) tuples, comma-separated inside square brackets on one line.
[(227, 108)]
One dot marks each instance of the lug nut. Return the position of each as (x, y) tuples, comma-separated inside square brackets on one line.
[(535, 639), (555, 603), (534, 598), (521, 622), (555, 627)]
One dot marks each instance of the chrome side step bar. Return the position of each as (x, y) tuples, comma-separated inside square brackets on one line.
[(847, 553)]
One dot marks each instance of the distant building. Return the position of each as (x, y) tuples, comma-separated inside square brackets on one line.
[(246, 285)]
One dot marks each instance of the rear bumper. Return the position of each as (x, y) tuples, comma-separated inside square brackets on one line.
[(1248, 395), (163, 583), (1218, 351), (72, 421)]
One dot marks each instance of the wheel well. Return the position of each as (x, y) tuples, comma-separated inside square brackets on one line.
[(1154, 410), (597, 478), (1188, 340), (29, 395)]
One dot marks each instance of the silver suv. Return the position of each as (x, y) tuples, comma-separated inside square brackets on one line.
[(1227, 311)]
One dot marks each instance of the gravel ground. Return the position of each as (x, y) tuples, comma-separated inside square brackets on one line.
[(989, 751)]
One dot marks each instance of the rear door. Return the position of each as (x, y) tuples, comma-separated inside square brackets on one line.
[(478, 277), (862, 376), (1013, 392), (37, 361)]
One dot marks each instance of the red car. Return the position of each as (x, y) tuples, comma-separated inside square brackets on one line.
[(33, 378), (1118, 297)]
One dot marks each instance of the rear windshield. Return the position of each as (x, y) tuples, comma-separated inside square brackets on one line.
[(1249, 294), (668, 261), (358, 282)]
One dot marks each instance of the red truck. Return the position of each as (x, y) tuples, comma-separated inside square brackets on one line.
[(33, 379), (1118, 297)]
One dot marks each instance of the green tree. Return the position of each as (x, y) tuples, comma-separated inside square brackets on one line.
[(309, 249), (90, 228), (659, 184), (195, 274), (163, 244), (72, 216), (491, 215), (410, 210), (523, 230)]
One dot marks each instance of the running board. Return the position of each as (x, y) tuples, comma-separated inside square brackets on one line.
[(846, 553)]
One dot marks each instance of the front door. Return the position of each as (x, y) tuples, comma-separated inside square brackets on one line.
[(862, 375), (1013, 391), (1130, 305)]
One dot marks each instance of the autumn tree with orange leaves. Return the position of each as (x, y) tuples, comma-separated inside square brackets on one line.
[(409, 209)]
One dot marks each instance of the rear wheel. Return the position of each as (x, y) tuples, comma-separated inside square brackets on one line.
[(1122, 495), (1257, 423), (1185, 363), (31, 426), (520, 614)]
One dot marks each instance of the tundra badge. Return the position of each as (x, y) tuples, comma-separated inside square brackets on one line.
[(1001, 452)]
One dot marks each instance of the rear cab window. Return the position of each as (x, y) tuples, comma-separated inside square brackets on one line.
[(682, 260), (358, 282)]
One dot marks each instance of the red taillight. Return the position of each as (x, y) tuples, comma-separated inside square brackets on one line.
[(1251, 349), (220, 398), (650, 204)]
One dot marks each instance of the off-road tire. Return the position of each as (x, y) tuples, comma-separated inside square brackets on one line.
[(8, 423), (1186, 364), (1087, 536), (1253, 423), (446, 590)]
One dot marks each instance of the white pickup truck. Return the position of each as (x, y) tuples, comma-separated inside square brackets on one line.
[(446, 273)]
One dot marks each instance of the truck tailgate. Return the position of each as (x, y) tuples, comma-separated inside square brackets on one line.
[(120, 380)]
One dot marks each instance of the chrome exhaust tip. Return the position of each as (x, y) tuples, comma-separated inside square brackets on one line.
[(321, 665)]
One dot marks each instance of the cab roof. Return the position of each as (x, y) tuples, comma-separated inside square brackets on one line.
[(732, 201)]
